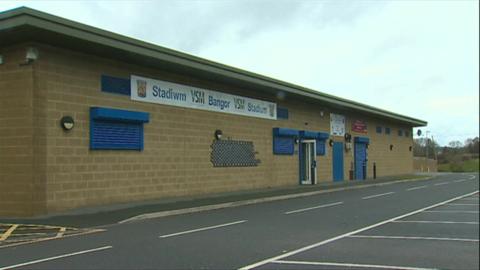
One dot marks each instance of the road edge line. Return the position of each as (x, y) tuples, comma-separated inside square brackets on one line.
[(256, 201)]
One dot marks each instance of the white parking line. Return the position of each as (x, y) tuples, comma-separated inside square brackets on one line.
[(435, 222), (414, 238), (55, 258), (415, 188), (377, 195), (451, 211), (202, 229), (443, 183), (293, 252), (352, 265), (460, 180), (311, 208), (461, 204)]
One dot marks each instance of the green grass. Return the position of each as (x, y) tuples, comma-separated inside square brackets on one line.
[(464, 166)]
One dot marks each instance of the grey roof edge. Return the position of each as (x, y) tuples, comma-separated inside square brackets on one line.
[(83, 31)]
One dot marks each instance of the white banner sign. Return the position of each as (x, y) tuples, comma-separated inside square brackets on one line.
[(337, 124), (161, 92)]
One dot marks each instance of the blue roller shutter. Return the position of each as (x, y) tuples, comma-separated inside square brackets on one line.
[(116, 129)]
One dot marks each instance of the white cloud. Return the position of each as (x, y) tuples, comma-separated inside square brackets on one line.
[(418, 58)]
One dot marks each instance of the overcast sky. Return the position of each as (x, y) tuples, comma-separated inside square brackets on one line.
[(417, 58)]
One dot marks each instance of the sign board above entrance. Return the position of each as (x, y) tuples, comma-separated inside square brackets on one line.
[(337, 124), (359, 126), (167, 93)]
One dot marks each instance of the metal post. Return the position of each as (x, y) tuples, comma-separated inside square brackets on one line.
[(374, 170)]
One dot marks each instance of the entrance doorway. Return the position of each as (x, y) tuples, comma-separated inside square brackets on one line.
[(360, 160), (308, 163), (337, 161)]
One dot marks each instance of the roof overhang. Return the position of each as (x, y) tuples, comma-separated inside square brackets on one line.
[(25, 25)]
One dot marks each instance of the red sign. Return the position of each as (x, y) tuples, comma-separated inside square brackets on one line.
[(359, 126)]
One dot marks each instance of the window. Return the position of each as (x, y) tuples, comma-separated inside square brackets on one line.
[(284, 141), (379, 129), (282, 113), (387, 130), (320, 142), (400, 132), (114, 129), (407, 134)]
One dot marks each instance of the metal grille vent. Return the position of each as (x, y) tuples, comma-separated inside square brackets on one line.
[(231, 153)]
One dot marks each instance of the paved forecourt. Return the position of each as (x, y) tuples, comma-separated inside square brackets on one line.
[(361, 227), (442, 236)]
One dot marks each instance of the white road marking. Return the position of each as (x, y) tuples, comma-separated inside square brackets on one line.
[(202, 229), (414, 238), (461, 204), (352, 265), (311, 208), (471, 177), (55, 258), (415, 188), (460, 180), (451, 211), (435, 222), (288, 254), (377, 195), (443, 183)]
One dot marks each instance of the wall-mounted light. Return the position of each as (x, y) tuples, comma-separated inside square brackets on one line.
[(1, 59), (410, 148), (348, 137), (321, 113), (218, 134), (32, 54), (296, 140), (348, 146), (330, 142), (391, 147), (67, 123), (366, 145)]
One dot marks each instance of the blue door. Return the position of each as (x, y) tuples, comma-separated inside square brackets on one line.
[(337, 161), (360, 160)]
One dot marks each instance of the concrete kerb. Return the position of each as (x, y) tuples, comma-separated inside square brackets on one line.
[(259, 200)]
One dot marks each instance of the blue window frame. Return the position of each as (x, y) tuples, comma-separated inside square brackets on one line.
[(320, 142), (387, 131), (282, 113), (284, 141), (379, 129), (115, 129)]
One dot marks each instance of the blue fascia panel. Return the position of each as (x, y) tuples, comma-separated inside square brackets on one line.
[(115, 85), (308, 134), (285, 132), (362, 140), (322, 135), (118, 115)]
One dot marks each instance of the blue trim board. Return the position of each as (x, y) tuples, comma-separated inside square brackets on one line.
[(285, 132), (361, 140), (115, 85), (308, 134), (118, 115), (322, 135)]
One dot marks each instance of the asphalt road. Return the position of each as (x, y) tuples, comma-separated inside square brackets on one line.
[(411, 225)]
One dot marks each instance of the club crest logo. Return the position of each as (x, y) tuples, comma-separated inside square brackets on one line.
[(142, 88)]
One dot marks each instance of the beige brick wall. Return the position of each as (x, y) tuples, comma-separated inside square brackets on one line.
[(22, 192), (176, 158)]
